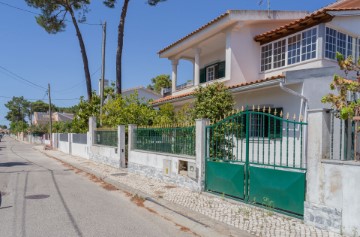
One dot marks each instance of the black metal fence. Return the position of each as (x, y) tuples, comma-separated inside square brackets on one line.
[(79, 138), (106, 137), (64, 137)]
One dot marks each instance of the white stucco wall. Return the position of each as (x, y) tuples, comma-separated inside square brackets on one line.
[(105, 154), (64, 147), (346, 24), (151, 164), (80, 150)]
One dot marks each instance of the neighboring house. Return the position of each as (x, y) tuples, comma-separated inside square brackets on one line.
[(280, 59), (143, 92), (40, 118)]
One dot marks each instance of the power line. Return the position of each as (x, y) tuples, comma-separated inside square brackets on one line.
[(77, 84), (34, 13), (8, 97), (21, 78)]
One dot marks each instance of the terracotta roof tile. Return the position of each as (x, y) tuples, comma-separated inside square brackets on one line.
[(171, 97), (314, 18), (196, 31)]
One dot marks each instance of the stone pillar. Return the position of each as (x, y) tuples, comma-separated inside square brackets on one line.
[(92, 127), (174, 64), (70, 142), (197, 67), (200, 151), (121, 145), (318, 148), (131, 137), (317, 210)]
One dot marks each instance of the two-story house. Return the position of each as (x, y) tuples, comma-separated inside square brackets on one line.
[(279, 59)]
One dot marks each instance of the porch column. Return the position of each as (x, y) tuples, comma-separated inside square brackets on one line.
[(197, 67), (174, 64), (228, 54)]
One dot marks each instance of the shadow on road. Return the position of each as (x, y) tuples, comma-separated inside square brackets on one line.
[(12, 164)]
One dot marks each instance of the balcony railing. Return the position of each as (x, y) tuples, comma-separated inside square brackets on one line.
[(184, 85)]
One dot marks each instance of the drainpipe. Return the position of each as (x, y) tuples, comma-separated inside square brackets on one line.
[(305, 103), (304, 100)]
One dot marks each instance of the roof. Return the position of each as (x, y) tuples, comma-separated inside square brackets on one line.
[(188, 94), (140, 88), (315, 18), (196, 31), (233, 16)]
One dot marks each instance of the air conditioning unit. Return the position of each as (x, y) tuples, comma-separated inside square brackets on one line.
[(166, 167), (191, 170)]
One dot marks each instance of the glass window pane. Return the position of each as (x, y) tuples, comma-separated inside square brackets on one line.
[(308, 44), (266, 53)]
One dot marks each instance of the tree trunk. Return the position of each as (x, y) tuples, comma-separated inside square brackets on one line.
[(120, 47), (83, 54)]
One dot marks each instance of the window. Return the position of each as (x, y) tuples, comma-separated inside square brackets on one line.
[(300, 47), (279, 53), (336, 41), (262, 125), (308, 44), (294, 49), (349, 46), (212, 72), (341, 43), (330, 43), (266, 56)]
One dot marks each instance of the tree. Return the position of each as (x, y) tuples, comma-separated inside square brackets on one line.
[(40, 106), (18, 126), (161, 81), (121, 29), (3, 126), (86, 110), (53, 18), (346, 109), (127, 110), (212, 102), (19, 109)]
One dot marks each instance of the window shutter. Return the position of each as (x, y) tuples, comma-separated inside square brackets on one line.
[(221, 70), (203, 75)]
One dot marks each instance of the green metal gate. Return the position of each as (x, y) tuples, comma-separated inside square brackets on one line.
[(258, 156)]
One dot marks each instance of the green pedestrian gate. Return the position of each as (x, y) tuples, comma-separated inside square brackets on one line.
[(258, 156)]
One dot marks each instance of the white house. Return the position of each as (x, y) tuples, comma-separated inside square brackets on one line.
[(283, 59)]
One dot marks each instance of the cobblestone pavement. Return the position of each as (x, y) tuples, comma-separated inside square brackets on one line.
[(259, 222)]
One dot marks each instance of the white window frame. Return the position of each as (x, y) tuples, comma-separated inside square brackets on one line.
[(286, 50), (213, 73), (355, 54)]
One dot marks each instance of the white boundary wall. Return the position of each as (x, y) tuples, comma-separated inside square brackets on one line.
[(332, 196)]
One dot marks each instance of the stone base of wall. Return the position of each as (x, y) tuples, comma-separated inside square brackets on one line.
[(179, 180), (323, 217), (104, 155)]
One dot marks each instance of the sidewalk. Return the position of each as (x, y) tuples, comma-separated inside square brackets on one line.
[(204, 208)]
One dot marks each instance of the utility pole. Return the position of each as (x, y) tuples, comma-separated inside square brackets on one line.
[(102, 86), (50, 115)]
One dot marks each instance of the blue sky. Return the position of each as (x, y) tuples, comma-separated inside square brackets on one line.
[(27, 50)]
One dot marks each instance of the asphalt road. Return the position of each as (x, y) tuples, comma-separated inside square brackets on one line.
[(42, 197)]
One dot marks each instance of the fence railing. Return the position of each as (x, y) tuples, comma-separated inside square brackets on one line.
[(106, 137), (64, 137), (173, 140), (259, 137), (341, 137), (79, 138)]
